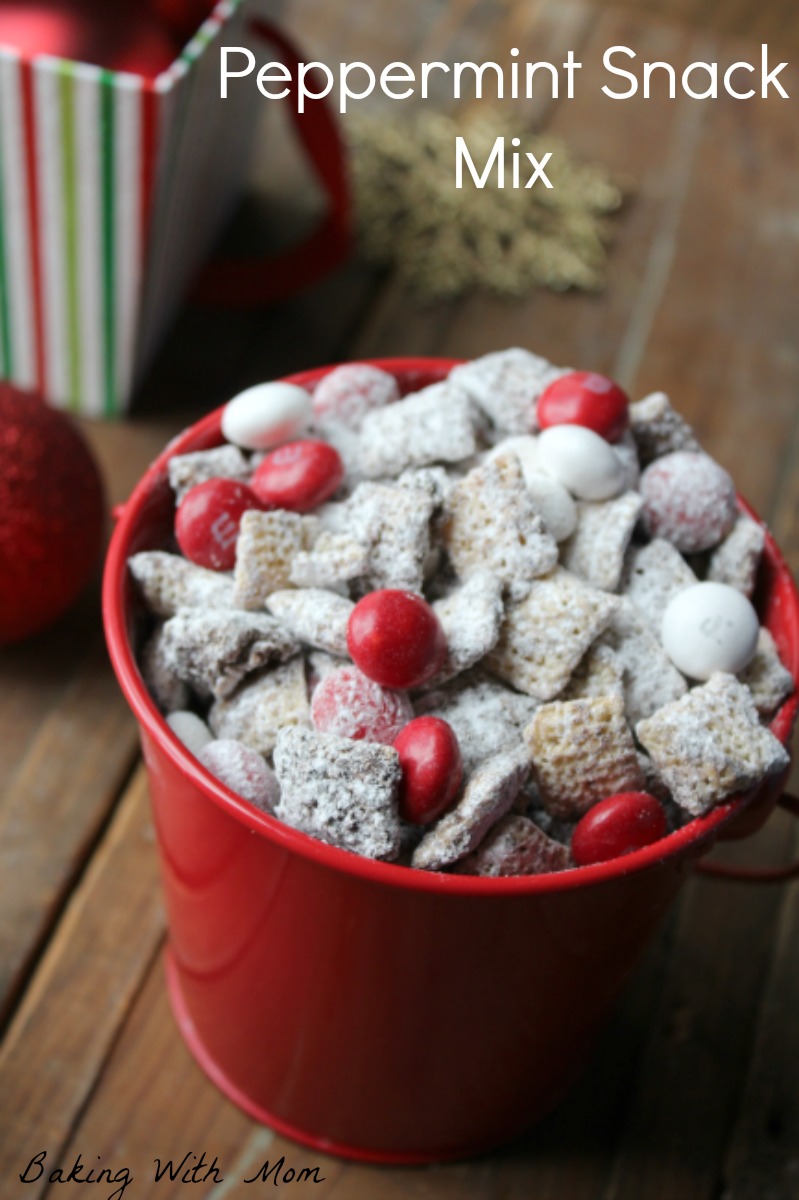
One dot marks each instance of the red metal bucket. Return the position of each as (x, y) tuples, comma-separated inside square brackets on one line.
[(368, 1009)]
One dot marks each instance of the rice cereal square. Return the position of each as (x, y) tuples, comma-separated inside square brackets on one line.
[(710, 744), (263, 705), (595, 551), (582, 751), (267, 545), (544, 636), (493, 525), (434, 425), (506, 385), (340, 791), (488, 795)]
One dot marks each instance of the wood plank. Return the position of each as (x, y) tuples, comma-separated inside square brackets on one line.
[(55, 808), (762, 1153), (700, 1038), (69, 740), (154, 1102), (85, 984)]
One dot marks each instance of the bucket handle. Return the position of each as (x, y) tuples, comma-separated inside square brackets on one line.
[(714, 870), (253, 282)]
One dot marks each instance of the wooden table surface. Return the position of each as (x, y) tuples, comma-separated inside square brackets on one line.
[(694, 1091)]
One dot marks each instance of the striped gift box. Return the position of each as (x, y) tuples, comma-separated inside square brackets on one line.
[(112, 189)]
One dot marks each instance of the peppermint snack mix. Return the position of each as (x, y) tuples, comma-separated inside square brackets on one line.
[(501, 625)]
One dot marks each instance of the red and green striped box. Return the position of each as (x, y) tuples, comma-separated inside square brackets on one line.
[(112, 188)]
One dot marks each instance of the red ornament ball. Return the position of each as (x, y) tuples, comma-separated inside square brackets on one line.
[(350, 705), (396, 639), (432, 769), (617, 825), (207, 521), (299, 476), (51, 497), (584, 398)]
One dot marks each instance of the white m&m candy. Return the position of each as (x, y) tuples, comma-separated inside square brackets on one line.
[(581, 460), (191, 729), (266, 415), (710, 627)]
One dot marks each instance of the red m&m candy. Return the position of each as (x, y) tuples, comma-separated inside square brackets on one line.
[(208, 519), (299, 476), (617, 825), (432, 769), (584, 398), (396, 638)]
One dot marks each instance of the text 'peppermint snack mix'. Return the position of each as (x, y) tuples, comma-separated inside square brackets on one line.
[(499, 625)]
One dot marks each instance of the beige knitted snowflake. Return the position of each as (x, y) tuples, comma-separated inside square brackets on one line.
[(443, 241)]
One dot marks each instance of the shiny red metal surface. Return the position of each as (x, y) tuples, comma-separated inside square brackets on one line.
[(364, 1008)]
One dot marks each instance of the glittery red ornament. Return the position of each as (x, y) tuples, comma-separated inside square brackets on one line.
[(52, 505)]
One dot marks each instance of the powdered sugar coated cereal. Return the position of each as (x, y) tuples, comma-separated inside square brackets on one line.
[(512, 546), (709, 745), (506, 385), (516, 846), (433, 425), (168, 582), (340, 791), (262, 706), (488, 796), (551, 499), (658, 429)]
